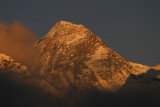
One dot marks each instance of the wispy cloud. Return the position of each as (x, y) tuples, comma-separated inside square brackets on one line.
[(17, 41)]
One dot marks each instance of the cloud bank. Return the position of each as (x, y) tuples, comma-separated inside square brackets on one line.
[(17, 41)]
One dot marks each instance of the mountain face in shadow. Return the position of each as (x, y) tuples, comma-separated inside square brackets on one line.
[(76, 68)]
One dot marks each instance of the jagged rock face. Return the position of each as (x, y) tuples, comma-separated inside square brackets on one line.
[(7, 64), (146, 71), (140, 69), (156, 67), (72, 57)]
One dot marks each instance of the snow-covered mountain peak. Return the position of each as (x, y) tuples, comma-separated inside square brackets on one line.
[(7, 64), (61, 28), (77, 57), (5, 57), (65, 23), (67, 34)]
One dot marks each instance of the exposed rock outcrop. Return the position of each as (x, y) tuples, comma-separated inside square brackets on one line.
[(8, 65), (72, 57)]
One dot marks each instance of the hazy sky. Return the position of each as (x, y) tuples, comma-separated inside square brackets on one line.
[(129, 27)]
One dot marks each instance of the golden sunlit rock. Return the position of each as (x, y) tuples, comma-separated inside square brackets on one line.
[(71, 55)]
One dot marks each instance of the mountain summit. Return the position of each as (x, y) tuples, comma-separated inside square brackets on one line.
[(71, 56), (76, 68)]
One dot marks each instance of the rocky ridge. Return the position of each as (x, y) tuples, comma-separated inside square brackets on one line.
[(71, 56), (8, 65), (76, 67)]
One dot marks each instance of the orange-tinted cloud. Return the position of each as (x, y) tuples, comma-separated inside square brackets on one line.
[(17, 41)]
